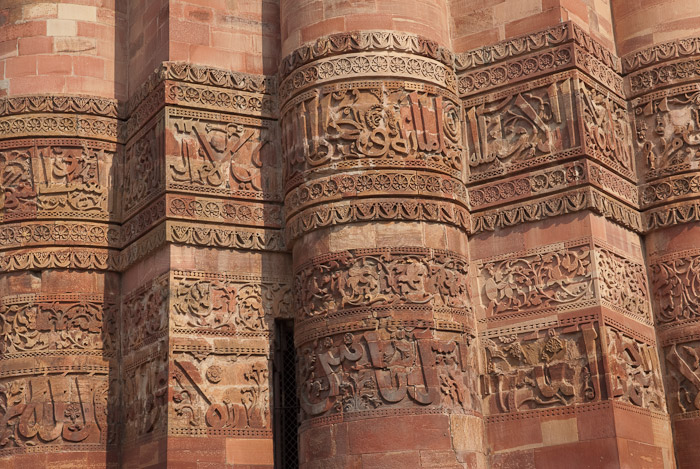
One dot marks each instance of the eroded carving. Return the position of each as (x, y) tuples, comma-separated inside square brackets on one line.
[(392, 367), (541, 369)]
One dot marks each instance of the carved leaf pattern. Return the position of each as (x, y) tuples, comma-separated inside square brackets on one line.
[(537, 281)]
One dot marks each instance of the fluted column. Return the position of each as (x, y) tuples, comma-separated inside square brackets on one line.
[(660, 49), (377, 215), (59, 292)]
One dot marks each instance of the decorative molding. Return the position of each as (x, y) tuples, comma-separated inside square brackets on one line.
[(365, 41)]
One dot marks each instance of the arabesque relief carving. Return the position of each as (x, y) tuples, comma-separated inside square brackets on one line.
[(204, 302), (144, 314), (371, 278), (552, 277), (143, 173), (607, 130), (541, 369), (622, 283), (392, 367), (372, 124), (34, 323), (67, 409), (145, 394), (676, 285), (635, 374)]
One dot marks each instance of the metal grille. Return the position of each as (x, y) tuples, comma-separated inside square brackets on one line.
[(286, 431)]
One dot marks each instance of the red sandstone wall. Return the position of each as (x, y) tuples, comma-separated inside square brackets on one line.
[(64, 47), (481, 215), (480, 23)]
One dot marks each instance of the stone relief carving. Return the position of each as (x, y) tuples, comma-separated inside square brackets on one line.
[(46, 179), (55, 410), (226, 158), (145, 314), (143, 174), (683, 376), (377, 209), (369, 65), (380, 277), (376, 184), (553, 277), (31, 323), (362, 41), (676, 285), (541, 369), (17, 183), (546, 61), (227, 305), (635, 375), (660, 53), (373, 124), (519, 127), (668, 133), (607, 131), (226, 395), (392, 367), (623, 283), (145, 397)]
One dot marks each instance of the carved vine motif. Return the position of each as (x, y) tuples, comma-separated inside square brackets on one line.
[(555, 278), (207, 395), (676, 283), (664, 74), (371, 125), (379, 278), (228, 306), (25, 233), (224, 158), (146, 396), (542, 369), (391, 367), (50, 410), (634, 371), (143, 169), (607, 131), (668, 134), (623, 283), (29, 326), (683, 366), (145, 314), (520, 127), (660, 53), (17, 182), (50, 103)]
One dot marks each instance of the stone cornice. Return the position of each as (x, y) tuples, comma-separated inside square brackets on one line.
[(365, 41), (556, 35)]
